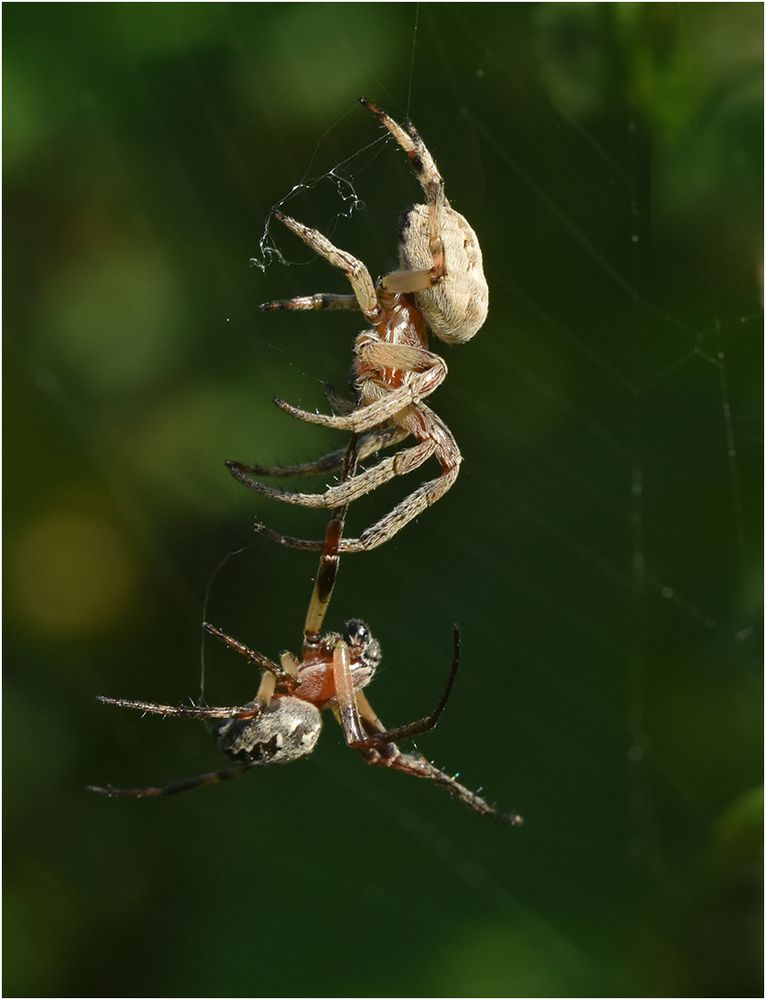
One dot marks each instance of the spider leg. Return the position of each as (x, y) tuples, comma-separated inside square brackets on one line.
[(420, 159), (351, 489), (365, 417), (210, 778), (368, 445), (381, 735), (419, 500), (432, 184), (426, 372), (430, 368), (289, 541), (327, 571), (356, 272), (319, 301), (417, 766), (185, 711), (412, 281), (379, 533), (250, 654)]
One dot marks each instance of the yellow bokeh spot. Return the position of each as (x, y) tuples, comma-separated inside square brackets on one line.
[(71, 572)]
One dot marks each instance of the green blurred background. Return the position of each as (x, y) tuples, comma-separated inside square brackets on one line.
[(601, 548)]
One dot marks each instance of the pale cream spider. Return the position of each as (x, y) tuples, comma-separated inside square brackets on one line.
[(441, 287)]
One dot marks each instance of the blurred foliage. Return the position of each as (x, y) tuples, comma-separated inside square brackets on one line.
[(601, 548)]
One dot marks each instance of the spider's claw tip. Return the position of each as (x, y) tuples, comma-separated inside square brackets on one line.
[(236, 470), (274, 536), (286, 220), (271, 307)]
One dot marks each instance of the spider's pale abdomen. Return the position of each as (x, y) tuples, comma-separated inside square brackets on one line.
[(286, 730), (455, 308)]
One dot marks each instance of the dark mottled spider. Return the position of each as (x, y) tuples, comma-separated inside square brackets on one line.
[(283, 722), (441, 287)]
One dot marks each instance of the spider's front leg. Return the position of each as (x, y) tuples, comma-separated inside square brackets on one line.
[(427, 173), (417, 152), (355, 271)]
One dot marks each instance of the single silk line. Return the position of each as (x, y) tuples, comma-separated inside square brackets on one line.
[(208, 589), (412, 58)]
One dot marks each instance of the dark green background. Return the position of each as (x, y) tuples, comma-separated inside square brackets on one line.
[(601, 548)]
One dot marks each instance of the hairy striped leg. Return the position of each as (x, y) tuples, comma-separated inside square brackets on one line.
[(432, 183), (348, 490), (319, 301), (354, 269), (416, 765), (368, 444)]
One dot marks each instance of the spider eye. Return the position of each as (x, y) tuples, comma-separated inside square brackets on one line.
[(356, 633)]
